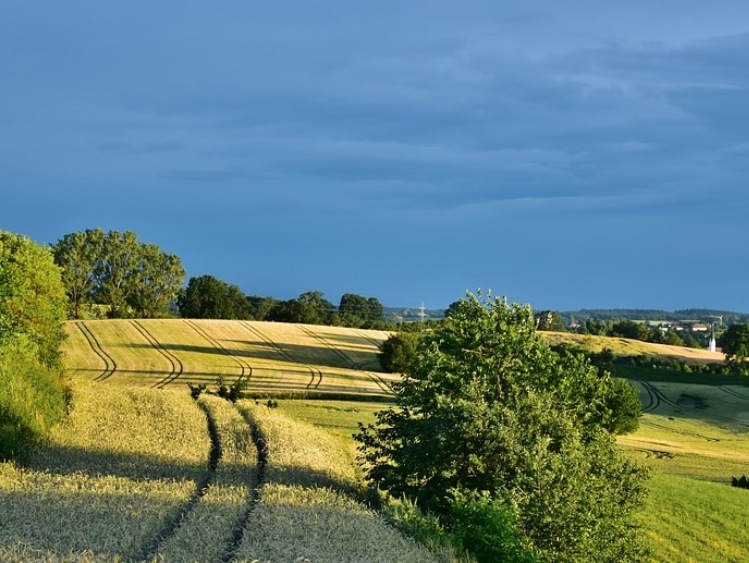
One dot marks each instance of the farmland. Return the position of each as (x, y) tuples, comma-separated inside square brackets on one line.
[(141, 471), (269, 358)]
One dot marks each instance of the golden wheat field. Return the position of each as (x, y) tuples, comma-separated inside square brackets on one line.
[(266, 357), (152, 475)]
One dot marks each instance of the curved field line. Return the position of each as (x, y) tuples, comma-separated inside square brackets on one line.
[(653, 400), (149, 551), (177, 366), (285, 355), (246, 368), (366, 337), (96, 347), (661, 397), (261, 443), (734, 393), (381, 383)]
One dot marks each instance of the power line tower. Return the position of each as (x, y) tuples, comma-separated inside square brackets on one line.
[(422, 313)]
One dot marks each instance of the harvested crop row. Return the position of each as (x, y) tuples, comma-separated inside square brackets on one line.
[(114, 472), (308, 510)]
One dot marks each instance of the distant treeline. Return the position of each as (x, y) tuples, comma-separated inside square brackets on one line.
[(705, 315)]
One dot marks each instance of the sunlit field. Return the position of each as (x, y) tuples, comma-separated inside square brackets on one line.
[(141, 471), (271, 358)]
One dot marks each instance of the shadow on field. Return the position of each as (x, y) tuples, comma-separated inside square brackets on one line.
[(69, 460), (300, 354)]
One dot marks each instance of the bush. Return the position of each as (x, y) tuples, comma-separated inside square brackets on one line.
[(32, 398), (485, 528), (398, 350)]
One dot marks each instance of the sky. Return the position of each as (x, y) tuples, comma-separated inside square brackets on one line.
[(578, 154)]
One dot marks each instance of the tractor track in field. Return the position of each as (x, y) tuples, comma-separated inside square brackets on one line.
[(245, 367), (376, 379), (150, 550), (656, 398), (96, 347), (177, 366), (734, 393), (315, 373), (237, 532)]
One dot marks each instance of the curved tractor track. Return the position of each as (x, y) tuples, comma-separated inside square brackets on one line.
[(656, 398), (244, 365), (315, 373), (96, 347), (237, 532), (376, 379), (150, 551), (177, 367)]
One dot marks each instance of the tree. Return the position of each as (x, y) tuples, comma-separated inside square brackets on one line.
[(398, 351), (77, 254), (375, 313), (156, 282), (261, 306), (353, 310), (735, 345), (549, 320), (485, 407), (309, 308), (207, 297), (629, 329), (116, 270), (32, 297)]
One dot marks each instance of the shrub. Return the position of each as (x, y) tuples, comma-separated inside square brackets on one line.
[(396, 352), (485, 528), (32, 398)]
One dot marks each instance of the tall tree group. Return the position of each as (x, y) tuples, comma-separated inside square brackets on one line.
[(114, 269)]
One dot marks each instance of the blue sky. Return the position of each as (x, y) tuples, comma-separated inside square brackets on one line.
[(566, 155)]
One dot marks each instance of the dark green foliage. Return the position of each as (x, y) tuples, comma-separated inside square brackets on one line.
[(206, 297), (629, 329), (197, 390), (260, 307), (231, 392), (549, 320), (486, 407), (309, 308), (398, 350), (742, 482), (486, 529), (735, 345)]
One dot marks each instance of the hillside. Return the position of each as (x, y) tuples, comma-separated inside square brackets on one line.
[(267, 357)]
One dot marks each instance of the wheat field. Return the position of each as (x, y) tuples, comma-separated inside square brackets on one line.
[(270, 358)]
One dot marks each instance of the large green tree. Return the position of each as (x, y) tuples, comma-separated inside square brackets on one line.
[(207, 297), (116, 270), (486, 407)]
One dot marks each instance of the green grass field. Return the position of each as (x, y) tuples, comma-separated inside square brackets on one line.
[(135, 450)]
